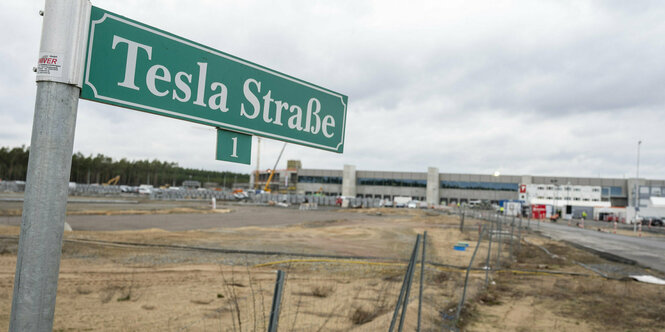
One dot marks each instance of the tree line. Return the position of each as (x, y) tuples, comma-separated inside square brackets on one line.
[(100, 169)]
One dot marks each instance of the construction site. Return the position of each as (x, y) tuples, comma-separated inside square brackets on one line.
[(151, 265)]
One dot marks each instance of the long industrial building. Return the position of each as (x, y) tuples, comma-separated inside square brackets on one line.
[(436, 188)]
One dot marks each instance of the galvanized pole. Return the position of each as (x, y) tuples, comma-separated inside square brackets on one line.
[(500, 237), (422, 278), (406, 284), (489, 252), (466, 278), (519, 237), (512, 233), (276, 302), (59, 77)]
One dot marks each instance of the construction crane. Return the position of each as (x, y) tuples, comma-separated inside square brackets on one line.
[(258, 162), (113, 181), (272, 171)]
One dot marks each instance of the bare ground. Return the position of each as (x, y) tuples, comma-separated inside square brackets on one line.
[(108, 285)]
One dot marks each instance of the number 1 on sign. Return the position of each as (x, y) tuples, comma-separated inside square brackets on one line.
[(233, 147)]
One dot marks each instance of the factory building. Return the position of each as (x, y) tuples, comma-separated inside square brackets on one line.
[(434, 187)]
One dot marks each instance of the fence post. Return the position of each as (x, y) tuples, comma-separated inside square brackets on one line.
[(500, 236), (276, 300), (512, 233), (422, 278), (405, 285), (519, 238), (489, 252), (466, 281)]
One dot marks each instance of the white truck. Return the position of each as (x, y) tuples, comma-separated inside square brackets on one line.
[(401, 201)]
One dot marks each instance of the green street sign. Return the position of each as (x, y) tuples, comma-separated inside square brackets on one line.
[(133, 65), (233, 147)]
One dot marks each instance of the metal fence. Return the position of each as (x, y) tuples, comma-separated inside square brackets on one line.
[(497, 242)]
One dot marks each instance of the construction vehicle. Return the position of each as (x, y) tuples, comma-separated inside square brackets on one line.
[(272, 171), (112, 182)]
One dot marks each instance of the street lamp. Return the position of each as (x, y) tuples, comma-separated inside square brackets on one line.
[(639, 143), (637, 184), (556, 192)]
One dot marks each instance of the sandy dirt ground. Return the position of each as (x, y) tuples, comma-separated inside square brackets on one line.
[(143, 274)]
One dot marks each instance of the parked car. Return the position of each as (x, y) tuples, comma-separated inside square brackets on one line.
[(145, 189), (413, 204), (386, 203), (654, 221)]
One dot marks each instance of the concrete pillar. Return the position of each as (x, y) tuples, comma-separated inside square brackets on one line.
[(349, 181), (527, 179), (433, 191)]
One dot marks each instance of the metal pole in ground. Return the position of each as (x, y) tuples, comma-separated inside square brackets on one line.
[(276, 301), (422, 278), (489, 253), (466, 281), (500, 239), (461, 222), (519, 237), (512, 232), (59, 78), (408, 288), (407, 281)]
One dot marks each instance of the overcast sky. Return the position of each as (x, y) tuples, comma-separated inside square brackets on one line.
[(523, 87)]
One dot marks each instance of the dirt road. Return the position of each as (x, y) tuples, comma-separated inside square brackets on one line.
[(239, 216)]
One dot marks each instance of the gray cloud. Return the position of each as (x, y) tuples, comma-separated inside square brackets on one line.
[(539, 87)]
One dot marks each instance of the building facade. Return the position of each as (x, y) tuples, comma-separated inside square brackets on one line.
[(452, 188)]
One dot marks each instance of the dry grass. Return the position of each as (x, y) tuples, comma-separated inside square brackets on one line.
[(618, 305), (323, 290), (361, 314)]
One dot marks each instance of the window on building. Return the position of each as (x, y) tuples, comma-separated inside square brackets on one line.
[(392, 182), (320, 179), (500, 186)]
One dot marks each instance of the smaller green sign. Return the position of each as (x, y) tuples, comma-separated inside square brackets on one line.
[(233, 147)]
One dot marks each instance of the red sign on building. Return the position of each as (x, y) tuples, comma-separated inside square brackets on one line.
[(539, 211), (522, 188)]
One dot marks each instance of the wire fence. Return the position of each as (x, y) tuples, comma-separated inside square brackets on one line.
[(389, 295)]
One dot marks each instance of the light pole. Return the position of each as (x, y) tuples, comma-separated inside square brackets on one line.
[(637, 184), (639, 143), (637, 187), (556, 192)]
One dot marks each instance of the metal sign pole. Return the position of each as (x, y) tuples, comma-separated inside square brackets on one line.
[(42, 225)]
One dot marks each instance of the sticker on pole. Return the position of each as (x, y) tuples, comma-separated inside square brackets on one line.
[(50, 64)]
